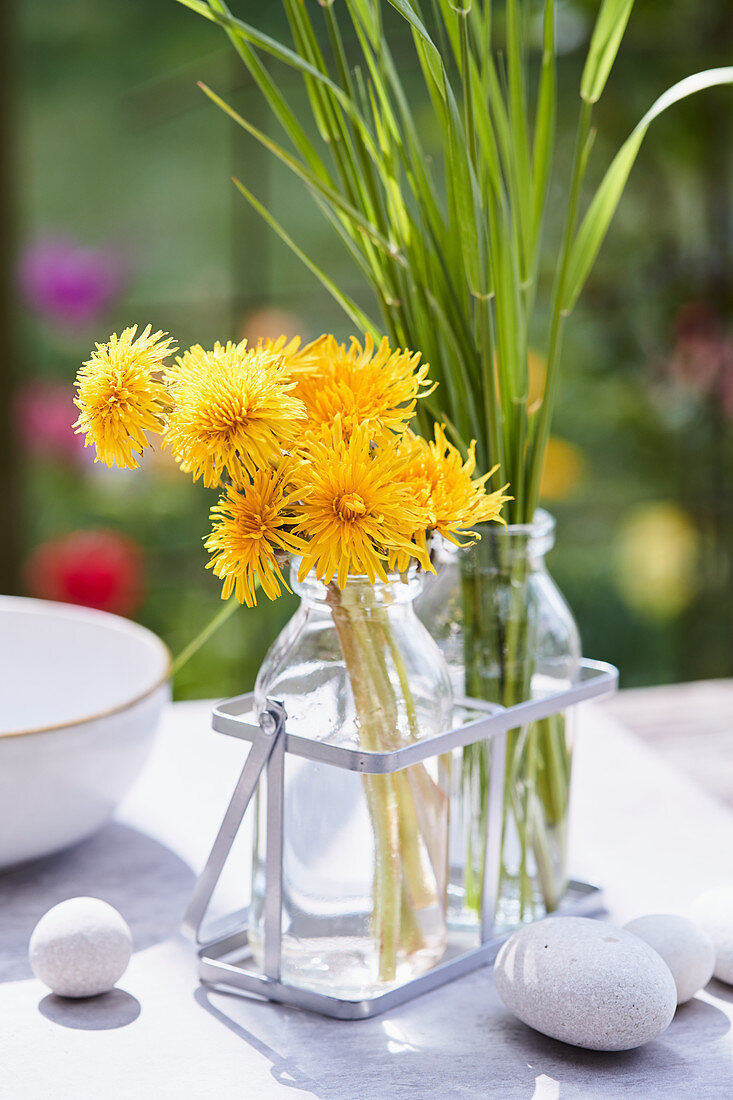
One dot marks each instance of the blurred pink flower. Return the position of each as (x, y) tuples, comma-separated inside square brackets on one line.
[(44, 418), (68, 283), (94, 568), (703, 353), (726, 382)]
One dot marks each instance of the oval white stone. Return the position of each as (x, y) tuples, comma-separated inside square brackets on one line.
[(686, 949), (713, 912), (80, 948), (586, 983)]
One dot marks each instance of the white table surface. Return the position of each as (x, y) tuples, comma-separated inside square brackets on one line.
[(644, 831)]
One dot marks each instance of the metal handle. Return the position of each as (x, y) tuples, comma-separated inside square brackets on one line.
[(269, 734)]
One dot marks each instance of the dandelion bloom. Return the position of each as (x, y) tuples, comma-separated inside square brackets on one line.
[(233, 410), (119, 396), (288, 349), (460, 500), (364, 386), (353, 510), (251, 532), (443, 481)]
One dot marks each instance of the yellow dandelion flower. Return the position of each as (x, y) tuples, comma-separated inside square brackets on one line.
[(119, 397), (288, 350), (365, 386), (415, 475), (460, 501), (251, 531), (234, 411), (353, 510), (439, 477)]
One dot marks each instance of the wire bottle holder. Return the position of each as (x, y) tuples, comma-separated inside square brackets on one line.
[(225, 958)]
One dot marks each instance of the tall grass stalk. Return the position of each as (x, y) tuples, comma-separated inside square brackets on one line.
[(450, 246)]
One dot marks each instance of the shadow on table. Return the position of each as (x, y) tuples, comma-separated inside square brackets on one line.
[(720, 990), (442, 1044), (655, 1069), (111, 1010), (284, 1070), (401, 1053), (148, 883)]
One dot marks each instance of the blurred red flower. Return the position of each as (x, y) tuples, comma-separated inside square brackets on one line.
[(99, 569)]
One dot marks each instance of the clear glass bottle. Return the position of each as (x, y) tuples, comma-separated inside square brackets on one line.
[(508, 635), (365, 860)]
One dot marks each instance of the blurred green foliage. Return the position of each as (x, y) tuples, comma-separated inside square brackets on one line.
[(117, 149)]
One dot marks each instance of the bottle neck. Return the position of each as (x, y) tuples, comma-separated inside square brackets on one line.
[(500, 549), (358, 594)]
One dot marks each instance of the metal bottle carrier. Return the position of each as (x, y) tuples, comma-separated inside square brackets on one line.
[(226, 960)]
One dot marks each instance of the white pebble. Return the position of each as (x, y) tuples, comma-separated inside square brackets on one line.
[(586, 983), (713, 912), (686, 949), (80, 948)]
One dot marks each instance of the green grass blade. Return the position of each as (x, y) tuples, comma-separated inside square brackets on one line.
[(288, 57), (272, 95), (464, 199), (349, 306), (486, 132), (595, 224), (608, 31), (428, 51), (531, 470), (307, 47), (469, 111), (516, 65), (308, 177), (545, 123)]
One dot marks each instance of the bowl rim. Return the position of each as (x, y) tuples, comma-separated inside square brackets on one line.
[(117, 622)]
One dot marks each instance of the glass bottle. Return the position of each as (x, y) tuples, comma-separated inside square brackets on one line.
[(508, 635), (364, 856)]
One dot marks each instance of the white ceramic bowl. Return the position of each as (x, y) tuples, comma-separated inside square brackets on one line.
[(81, 693)]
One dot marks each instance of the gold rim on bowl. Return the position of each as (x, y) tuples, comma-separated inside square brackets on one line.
[(91, 612)]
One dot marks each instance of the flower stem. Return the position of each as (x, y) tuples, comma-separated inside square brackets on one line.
[(499, 661), (379, 792), (202, 638), (408, 861)]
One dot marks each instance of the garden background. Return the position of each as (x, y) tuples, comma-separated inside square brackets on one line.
[(118, 206)]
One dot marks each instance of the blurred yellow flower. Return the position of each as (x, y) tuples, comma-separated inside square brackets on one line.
[(364, 386), (537, 371), (119, 397), (563, 469), (656, 558), (354, 511), (233, 411), (251, 528)]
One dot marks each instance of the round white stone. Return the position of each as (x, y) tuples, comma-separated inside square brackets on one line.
[(586, 983), (713, 912), (686, 949), (80, 948)]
